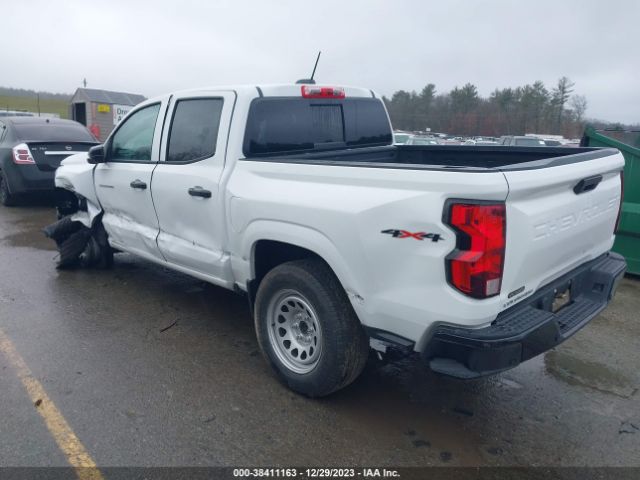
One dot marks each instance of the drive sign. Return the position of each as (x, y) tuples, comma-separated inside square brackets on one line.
[(119, 112)]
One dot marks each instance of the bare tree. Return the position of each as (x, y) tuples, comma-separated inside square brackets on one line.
[(579, 107), (559, 98)]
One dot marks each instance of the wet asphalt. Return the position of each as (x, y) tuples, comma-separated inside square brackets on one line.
[(153, 368)]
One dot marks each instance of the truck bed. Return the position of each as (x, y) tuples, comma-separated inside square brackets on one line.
[(448, 157)]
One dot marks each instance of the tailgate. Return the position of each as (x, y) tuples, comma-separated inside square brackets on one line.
[(554, 224), (48, 155)]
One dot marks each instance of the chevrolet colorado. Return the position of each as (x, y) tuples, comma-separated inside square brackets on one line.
[(475, 258)]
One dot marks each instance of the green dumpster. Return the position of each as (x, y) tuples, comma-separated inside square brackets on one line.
[(628, 236)]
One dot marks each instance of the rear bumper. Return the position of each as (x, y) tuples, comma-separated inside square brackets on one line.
[(528, 328), (28, 178)]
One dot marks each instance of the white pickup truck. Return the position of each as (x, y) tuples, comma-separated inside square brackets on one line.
[(475, 258)]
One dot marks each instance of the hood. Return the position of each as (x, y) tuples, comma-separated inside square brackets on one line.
[(77, 159)]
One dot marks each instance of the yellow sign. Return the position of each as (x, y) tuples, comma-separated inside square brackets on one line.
[(104, 108)]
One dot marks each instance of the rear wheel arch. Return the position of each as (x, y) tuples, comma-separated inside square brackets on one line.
[(268, 254)]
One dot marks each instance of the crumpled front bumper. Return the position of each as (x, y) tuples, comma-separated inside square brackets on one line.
[(529, 327)]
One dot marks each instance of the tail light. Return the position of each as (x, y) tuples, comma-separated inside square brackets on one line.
[(22, 155), (313, 91), (475, 266), (615, 230)]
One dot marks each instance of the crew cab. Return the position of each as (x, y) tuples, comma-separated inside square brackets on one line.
[(473, 259)]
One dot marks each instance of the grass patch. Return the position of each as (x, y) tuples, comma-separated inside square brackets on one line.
[(61, 107)]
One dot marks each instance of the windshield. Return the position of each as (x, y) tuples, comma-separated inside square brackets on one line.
[(400, 137)]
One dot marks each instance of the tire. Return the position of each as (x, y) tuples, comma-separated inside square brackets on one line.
[(6, 198), (72, 248), (95, 255), (102, 254), (79, 245), (61, 230), (327, 347)]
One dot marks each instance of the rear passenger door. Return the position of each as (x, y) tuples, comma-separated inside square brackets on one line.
[(186, 182)]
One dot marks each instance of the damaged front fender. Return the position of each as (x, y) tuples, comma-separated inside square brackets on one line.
[(88, 214), (76, 190), (75, 174), (80, 245), (79, 234)]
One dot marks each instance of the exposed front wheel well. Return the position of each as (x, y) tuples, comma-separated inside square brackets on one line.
[(67, 203)]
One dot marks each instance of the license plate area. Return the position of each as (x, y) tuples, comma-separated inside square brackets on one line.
[(562, 298)]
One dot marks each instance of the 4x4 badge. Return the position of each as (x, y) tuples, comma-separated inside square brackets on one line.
[(415, 235)]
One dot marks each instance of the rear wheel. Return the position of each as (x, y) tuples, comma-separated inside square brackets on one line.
[(307, 328), (6, 198)]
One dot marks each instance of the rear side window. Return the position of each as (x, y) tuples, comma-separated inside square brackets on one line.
[(194, 129), (53, 132), (297, 125)]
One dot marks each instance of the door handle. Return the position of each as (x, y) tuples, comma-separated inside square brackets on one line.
[(199, 192), (139, 184)]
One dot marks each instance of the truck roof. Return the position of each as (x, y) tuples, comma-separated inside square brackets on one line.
[(275, 90), (293, 90)]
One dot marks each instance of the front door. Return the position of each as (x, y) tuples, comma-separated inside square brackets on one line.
[(123, 182)]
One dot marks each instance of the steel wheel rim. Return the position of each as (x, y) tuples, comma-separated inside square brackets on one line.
[(294, 331)]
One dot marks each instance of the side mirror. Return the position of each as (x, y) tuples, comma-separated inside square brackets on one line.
[(96, 154)]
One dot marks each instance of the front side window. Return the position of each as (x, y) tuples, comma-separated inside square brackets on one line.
[(194, 129), (133, 140)]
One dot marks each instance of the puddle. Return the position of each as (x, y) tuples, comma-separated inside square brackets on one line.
[(27, 228), (29, 239), (575, 371)]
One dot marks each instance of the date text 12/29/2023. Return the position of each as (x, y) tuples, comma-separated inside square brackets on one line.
[(315, 473)]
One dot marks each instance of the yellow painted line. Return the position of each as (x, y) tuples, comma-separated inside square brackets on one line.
[(66, 439)]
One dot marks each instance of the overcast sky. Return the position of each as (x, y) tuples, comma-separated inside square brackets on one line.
[(158, 46)]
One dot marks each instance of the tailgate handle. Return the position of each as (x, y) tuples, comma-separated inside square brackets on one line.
[(587, 184)]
